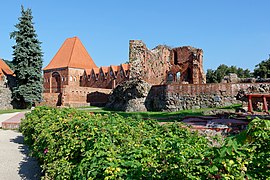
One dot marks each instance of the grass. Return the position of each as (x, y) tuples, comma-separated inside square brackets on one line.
[(160, 116), (12, 111)]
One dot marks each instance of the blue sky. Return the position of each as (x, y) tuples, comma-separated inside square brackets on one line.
[(231, 32)]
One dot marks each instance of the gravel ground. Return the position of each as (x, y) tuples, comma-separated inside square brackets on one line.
[(14, 162)]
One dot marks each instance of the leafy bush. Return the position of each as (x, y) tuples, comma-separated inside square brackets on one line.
[(71, 144)]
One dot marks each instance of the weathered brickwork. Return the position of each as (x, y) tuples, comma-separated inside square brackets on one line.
[(79, 96), (105, 77), (187, 65), (149, 65), (76, 97), (164, 65)]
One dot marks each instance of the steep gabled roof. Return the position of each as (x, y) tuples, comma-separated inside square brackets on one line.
[(88, 71), (96, 70), (5, 69), (72, 54), (125, 67), (115, 68), (105, 69)]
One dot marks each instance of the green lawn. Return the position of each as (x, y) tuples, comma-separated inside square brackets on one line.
[(12, 111), (160, 116)]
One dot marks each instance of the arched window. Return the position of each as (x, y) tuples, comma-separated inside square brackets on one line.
[(178, 76), (170, 77), (56, 82)]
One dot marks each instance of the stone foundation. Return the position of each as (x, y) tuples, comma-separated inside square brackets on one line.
[(5, 97), (192, 96)]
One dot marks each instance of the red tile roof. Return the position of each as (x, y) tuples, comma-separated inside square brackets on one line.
[(88, 71), (115, 68), (125, 67), (4, 68), (96, 70), (72, 54), (105, 69)]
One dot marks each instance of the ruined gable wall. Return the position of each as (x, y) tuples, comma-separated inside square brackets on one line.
[(149, 65), (189, 62)]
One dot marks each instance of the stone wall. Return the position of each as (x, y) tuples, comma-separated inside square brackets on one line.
[(193, 96), (5, 97), (129, 96)]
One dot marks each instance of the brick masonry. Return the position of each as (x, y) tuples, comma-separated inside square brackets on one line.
[(165, 65)]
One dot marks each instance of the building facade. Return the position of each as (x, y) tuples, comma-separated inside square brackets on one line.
[(71, 78)]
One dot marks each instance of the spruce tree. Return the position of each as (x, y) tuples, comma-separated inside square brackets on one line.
[(27, 60)]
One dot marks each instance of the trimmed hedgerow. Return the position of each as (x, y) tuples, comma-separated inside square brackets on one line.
[(72, 144)]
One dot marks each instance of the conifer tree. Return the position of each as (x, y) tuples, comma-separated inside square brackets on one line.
[(27, 60)]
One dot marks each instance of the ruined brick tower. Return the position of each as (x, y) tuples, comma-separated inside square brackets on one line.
[(165, 65)]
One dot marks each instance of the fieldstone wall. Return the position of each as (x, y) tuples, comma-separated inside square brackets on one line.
[(174, 98), (5, 97), (129, 96)]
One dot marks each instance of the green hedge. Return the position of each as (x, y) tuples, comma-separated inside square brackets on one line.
[(72, 144)]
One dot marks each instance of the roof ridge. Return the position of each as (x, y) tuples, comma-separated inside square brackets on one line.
[(71, 54)]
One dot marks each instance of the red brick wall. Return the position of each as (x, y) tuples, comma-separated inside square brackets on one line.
[(162, 64), (189, 62), (77, 96), (107, 81), (49, 99), (228, 89), (68, 76)]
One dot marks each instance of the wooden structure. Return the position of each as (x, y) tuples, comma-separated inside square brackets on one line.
[(263, 98)]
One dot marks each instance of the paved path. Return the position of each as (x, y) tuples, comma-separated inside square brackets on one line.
[(4, 117), (14, 162)]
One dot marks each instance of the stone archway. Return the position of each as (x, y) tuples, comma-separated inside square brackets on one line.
[(56, 83)]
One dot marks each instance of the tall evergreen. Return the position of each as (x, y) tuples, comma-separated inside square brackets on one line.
[(27, 59)]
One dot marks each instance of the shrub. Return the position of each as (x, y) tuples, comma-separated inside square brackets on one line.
[(71, 144)]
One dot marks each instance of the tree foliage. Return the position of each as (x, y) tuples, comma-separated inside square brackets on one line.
[(27, 60), (216, 76), (262, 70)]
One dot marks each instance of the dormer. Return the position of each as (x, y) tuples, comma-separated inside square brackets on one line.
[(95, 73), (114, 70), (104, 72), (124, 70)]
